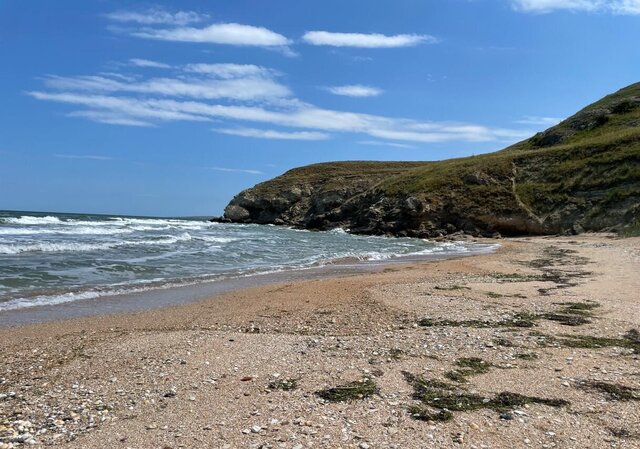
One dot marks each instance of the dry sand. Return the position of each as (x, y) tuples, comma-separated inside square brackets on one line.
[(198, 376)]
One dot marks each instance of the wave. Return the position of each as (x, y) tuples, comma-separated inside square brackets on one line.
[(29, 220), (160, 222), (56, 247), (211, 239), (84, 230)]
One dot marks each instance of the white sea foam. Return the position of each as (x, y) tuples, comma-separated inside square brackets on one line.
[(81, 230), (51, 247), (29, 220), (88, 257), (55, 247), (207, 238)]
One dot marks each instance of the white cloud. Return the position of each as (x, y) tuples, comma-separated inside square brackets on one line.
[(304, 116), (237, 95), (107, 109), (109, 118), (218, 33), (366, 40), (631, 7), (535, 120), (308, 117), (545, 6), (157, 16), (272, 134), (147, 63), (83, 156), (355, 90), (251, 88), (385, 144), (227, 71), (235, 170)]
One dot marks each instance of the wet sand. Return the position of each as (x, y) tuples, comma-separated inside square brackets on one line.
[(243, 369)]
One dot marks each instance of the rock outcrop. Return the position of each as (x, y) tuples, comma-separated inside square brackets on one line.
[(581, 175)]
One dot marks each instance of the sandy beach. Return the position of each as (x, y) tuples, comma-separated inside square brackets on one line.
[(531, 346)]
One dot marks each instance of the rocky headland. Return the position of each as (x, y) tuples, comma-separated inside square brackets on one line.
[(581, 175)]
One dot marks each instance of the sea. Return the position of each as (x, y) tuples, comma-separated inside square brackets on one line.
[(49, 259)]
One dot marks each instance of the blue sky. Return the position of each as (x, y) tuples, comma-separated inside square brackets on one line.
[(172, 107)]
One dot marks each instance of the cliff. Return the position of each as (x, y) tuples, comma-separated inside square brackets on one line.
[(581, 175)]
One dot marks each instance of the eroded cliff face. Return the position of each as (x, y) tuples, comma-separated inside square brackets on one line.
[(374, 211), (581, 175)]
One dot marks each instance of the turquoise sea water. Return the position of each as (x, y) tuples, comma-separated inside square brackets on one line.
[(50, 258)]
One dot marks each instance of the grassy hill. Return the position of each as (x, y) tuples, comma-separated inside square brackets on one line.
[(583, 174)]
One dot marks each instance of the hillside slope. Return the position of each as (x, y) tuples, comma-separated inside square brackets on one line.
[(581, 175)]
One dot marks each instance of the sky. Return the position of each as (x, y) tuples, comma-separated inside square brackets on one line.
[(170, 108)]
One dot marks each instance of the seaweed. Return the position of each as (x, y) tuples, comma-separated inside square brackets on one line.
[(518, 320), (453, 287), (567, 320), (527, 356), (445, 397), (631, 340), (421, 413), (615, 392), (349, 392), (468, 366)]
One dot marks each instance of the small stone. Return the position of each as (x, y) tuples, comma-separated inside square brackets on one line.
[(506, 416), (246, 431), (256, 429), (171, 393), (363, 445)]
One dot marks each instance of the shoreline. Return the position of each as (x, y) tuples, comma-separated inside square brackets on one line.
[(176, 295), (213, 373)]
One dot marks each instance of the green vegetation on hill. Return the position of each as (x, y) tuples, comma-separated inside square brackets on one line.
[(582, 174)]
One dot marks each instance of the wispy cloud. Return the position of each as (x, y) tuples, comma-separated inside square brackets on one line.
[(237, 88), (156, 16), (83, 156), (228, 71), (304, 116), (147, 63), (355, 90), (110, 118), (542, 121), (385, 144), (367, 40), (630, 7), (237, 95), (221, 33), (273, 134), (235, 170)]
